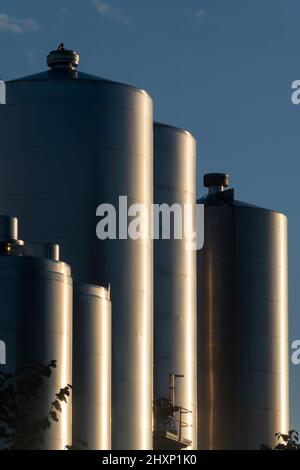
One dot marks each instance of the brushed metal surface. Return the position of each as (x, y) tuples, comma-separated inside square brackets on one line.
[(242, 327), (43, 250), (82, 141), (36, 325), (175, 313), (92, 366)]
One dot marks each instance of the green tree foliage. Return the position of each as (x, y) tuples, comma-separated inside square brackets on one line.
[(19, 426), (288, 441)]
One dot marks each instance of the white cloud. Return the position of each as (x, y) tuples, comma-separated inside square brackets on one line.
[(199, 14), (110, 12), (196, 14), (31, 56), (17, 25), (63, 12)]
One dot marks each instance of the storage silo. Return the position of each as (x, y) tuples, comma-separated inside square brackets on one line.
[(79, 141), (92, 366), (36, 325), (243, 391), (175, 312)]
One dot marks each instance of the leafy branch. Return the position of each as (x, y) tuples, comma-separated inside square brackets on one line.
[(20, 427), (288, 441)]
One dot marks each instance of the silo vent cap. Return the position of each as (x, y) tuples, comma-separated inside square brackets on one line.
[(43, 250), (216, 179), (9, 233), (62, 58)]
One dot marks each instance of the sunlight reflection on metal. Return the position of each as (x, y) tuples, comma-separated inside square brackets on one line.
[(175, 349), (243, 389)]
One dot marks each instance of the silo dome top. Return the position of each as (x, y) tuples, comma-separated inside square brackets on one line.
[(219, 195), (62, 58), (63, 66)]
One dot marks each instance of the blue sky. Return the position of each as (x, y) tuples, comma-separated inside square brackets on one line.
[(222, 69)]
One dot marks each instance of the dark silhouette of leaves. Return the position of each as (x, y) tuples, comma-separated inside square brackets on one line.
[(53, 415), (19, 426), (57, 405), (78, 444), (287, 441)]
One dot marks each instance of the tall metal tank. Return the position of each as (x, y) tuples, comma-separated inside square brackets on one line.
[(92, 366), (243, 383), (69, 142), (36, 324), (175, 349)]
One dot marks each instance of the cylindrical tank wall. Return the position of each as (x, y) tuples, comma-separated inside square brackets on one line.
[(36, 326), (2, 92), (92, 366), (175, 313), (242, 326), (82, 142)]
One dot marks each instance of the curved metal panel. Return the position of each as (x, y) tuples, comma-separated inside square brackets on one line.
[(92, 366), (175, 277), (36, 325), (242, 326)]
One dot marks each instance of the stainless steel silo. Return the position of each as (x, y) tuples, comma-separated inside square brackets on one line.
[(243, 384), (175, 349), (78, 141), (36, 325), (92, 366)]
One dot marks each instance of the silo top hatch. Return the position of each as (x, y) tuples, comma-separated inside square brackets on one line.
[(62, 59), (63, 65), (219, 195)]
